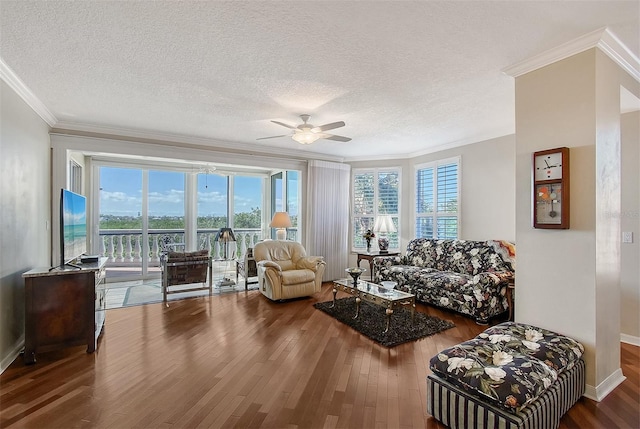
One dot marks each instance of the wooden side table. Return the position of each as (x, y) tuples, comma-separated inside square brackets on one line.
[(369, 257), (511, 289)]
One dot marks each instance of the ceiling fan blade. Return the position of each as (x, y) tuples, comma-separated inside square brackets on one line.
[(336, 138), (284, 125), (273, 137), (327, 127)]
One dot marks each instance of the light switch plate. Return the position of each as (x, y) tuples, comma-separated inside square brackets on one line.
[(627, 237)]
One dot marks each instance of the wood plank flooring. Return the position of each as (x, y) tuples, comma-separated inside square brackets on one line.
[(239, 360)]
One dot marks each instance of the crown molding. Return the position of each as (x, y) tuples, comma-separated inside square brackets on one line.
[(601, 38), (79, 129), (20, 88)]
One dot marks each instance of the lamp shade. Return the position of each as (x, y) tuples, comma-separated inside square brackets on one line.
[(384, 224), (225, 235), (280, 220)]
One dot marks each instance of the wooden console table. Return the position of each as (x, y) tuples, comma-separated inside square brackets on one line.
[(369, 257), (64, 307)]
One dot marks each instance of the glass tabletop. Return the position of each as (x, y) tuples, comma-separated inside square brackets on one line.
[(375, 289)]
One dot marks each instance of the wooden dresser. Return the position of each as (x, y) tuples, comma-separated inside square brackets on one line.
[(64, 307)]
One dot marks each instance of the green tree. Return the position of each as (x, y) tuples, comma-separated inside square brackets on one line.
[(252, 219)]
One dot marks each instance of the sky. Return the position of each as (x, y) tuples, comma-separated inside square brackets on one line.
[(121, 193)]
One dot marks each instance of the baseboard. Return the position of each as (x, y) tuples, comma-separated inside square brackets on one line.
[(13, 354), (599, 392), (629, 339)]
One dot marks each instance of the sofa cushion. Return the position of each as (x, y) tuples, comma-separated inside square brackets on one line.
[(462, 256), (407, 274), (294, 277), (502, 376), (557, 351), (424, 252)]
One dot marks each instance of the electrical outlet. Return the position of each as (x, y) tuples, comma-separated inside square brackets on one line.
[(627, 237)]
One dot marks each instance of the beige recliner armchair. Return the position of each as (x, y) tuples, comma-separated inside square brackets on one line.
[(285, 271)]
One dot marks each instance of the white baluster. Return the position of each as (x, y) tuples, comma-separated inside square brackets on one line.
[(129, 249), (103, 246), (243, 246), (138, 251), (111, 249), (155, 254), (120, 251)]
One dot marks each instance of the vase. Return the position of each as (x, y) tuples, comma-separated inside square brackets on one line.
[(383, 244), (368, 246)]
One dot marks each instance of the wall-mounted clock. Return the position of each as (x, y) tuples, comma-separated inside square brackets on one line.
[(551, 188)]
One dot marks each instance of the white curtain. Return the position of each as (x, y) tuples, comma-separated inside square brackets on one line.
[(327, 217)]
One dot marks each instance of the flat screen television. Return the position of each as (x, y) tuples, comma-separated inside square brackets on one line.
[(73, 226)]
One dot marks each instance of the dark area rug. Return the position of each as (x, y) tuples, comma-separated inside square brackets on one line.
[(371, 321)]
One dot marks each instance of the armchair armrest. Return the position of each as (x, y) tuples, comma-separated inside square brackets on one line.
[(269, 264), (310, 262)]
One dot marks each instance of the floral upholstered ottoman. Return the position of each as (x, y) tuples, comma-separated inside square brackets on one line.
[(512, 375)]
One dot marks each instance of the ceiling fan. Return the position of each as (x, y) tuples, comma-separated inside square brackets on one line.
[(307, 133)]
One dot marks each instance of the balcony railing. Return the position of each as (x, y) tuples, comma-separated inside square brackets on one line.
[(124, 247)]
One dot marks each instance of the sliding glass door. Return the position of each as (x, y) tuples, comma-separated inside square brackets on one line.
[(120, 220), (165, 216), (285, 191), (142, 211)]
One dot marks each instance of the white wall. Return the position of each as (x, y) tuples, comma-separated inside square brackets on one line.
[(630, 221), (568, 280), (24, 212)]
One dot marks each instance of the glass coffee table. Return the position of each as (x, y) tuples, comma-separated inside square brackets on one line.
[(389, 299)]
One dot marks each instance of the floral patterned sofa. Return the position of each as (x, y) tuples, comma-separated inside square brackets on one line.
[(470, 277)]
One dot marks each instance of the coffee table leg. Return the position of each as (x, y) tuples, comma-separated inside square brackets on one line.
[(357, 307), (335, 291), (389, 312)]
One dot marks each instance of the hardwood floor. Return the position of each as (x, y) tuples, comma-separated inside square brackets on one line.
[(239, 360)]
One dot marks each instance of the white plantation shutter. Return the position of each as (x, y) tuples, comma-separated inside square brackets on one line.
[(375, 192), (437, 199)]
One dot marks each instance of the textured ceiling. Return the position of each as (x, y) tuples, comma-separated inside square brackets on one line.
[(406, 77)]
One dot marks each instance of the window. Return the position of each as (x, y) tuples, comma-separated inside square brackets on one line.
[(437, 199), (212, 201), (75, 177), (375, 192)]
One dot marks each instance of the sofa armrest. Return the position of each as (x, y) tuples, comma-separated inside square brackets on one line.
[(493, 278), (310, 262), (387, 261)]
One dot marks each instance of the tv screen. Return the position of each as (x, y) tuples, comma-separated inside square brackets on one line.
[(73, 226)]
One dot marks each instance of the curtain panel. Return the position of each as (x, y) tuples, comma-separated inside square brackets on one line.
[(327, 216)]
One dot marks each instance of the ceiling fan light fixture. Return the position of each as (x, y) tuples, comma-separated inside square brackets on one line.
[(305, 137)]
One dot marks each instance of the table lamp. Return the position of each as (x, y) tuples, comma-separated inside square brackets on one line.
[(383, 225), (281, 221)]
